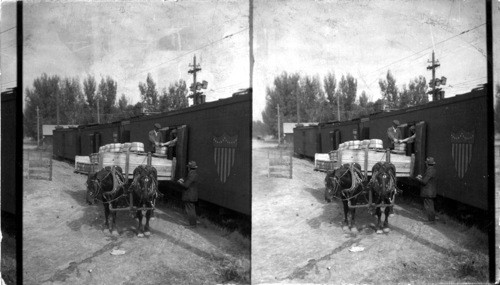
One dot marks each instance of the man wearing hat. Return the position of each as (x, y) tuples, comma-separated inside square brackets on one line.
[(428, 190), (155, 138), (190, 194), (393, 134)]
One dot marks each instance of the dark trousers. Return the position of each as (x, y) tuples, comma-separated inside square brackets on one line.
[(429, 208), (191, 212)]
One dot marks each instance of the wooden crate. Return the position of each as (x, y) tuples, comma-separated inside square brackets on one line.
[(325, 165), (161, 163), (402, 162)]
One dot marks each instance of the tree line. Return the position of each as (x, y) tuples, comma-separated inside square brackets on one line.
[(311, 99), (68, 101)]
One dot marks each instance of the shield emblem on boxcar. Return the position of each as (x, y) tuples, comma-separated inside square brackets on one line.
[(461, 150), (224, 155)]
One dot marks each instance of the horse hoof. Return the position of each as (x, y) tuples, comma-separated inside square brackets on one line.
[(140, 235), (354, 230), (387, 230), (345, 228), (379, 232), (147, 233)]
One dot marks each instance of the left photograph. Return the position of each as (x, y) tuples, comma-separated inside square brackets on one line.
[(136, 148)]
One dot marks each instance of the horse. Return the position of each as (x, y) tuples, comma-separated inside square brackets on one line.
[(144, 188), (383, 187), (346, 183), (107, 186)]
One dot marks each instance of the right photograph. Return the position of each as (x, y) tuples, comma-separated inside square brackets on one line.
[(370, 142)]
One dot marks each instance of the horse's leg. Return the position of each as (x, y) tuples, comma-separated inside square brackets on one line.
[(106, 217), (352, 224), (140, 229), (387, 212), (378, 211), (345, 224), (146, 227), (113, 221)]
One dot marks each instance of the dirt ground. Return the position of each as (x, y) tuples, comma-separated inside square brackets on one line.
[(297, 237), (64, 242)]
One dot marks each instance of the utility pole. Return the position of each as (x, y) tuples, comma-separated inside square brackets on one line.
[(338, 107), (37, 126), (198, 97), (279, 124), (98, 116), (298, 108), (57, 107), (437, 93)]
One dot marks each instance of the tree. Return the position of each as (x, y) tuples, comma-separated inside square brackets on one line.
[(89, 89), (106, 92), (44, 95), (175, 98), (330, 85), (347, 89), (363, 100), (389, 91), (285, 91), (72, 102), (312, 99), (149, 94)]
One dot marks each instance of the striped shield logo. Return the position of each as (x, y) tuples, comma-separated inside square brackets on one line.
[(461, 150), (224, 153)]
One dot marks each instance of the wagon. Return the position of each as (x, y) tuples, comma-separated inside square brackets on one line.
[(367, 158)]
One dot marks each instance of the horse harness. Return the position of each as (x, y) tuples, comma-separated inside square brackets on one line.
[(117, 184)]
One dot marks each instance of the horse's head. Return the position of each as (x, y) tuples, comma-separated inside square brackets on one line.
[(93, 188), (336, 180), (331, 186), (384, 181), (145, 183)]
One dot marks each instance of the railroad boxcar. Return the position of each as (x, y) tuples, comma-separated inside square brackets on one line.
[(215, 134), (66, 143), (306, 140), (96, 135), (456, 136), (452, 130), (10, 140), (332, 134)]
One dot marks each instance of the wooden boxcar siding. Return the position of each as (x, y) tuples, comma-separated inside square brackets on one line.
[(106, 131), (306, 141), (9, 158), (71, 146), (346, 133), (205, 122), (462, 112), (58, 144)]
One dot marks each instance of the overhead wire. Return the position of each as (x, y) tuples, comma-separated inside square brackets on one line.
[(189, 52)]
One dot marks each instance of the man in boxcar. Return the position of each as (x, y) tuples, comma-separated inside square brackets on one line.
[(190, 193), (155, 138), (410, 141), (393, 134), (428, 190)]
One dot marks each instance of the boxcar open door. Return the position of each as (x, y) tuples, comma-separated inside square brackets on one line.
[(420, 147), (181, 152)]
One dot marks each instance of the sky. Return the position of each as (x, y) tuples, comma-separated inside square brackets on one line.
[(128, 40), (366, 38)]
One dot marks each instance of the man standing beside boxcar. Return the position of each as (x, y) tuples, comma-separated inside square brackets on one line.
[(155, 138), (393, 134), (428, 190), (190, 193)]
